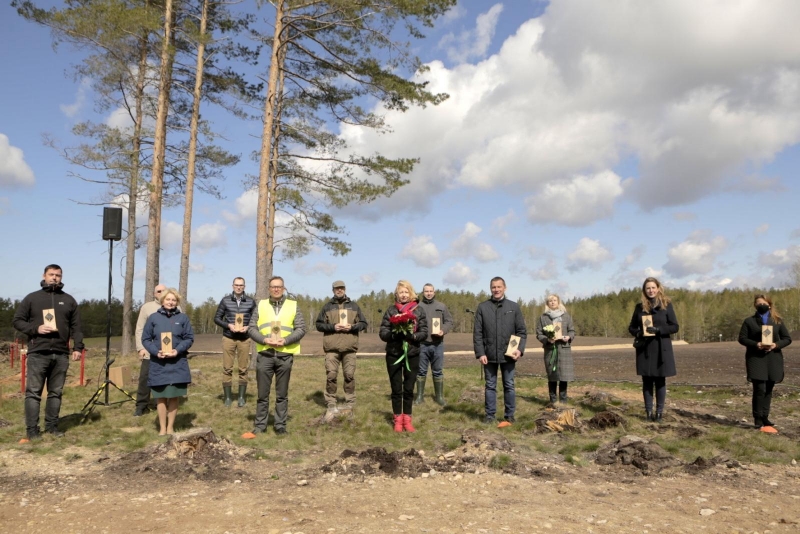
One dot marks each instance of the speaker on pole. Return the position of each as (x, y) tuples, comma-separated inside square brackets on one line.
[(112, 224)]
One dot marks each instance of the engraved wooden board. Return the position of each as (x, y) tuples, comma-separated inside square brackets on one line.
[(513, 344), (343, 318), (647, 320), (558, 333), (49, 317), (766, 334), (436, 326), (166, 342), (275, 330), (238, 321)]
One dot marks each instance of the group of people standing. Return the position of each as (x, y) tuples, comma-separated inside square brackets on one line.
[(413, 329)]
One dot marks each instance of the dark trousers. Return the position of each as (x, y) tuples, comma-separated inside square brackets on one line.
[(762, 399), (280, 367), (660, 385), (143, 391), (402, 381), (52, 369)]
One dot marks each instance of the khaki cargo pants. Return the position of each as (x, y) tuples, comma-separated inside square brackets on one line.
[(348, 363)]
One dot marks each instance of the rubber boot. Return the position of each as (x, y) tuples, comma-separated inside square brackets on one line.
[(420, 390), (562, 396), (438, 388), (552, 388), (228, 396), (242, 391), (407, 426), (398, 422)]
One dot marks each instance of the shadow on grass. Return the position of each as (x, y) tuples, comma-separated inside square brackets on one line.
[(318, 398)]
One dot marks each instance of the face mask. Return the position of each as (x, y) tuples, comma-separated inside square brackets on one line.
[(762, 308)]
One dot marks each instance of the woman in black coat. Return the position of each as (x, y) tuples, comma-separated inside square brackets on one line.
[(403, 327), (652, 324), (764, 361)]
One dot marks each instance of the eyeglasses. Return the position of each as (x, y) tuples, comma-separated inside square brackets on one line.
[(238, 285), (276, 287), (159, 290)]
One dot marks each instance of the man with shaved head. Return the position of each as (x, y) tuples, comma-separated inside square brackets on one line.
[(143, 392)]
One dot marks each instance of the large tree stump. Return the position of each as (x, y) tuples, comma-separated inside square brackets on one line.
[(192, 441)]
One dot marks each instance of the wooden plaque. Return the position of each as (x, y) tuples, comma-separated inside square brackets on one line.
[(557, 332), (275, 330), (647, 321), (436, 326), (343, 318), (238, 322), (166, 342), (49, 317), (513, 344), (766, 334)]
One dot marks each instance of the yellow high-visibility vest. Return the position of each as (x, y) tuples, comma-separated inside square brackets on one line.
[(266, 315)]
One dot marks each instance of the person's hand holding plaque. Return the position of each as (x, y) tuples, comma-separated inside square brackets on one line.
[(512, 351)]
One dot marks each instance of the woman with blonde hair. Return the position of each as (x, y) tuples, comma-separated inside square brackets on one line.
[(763, 358), (169, 375), (652, 324), (403, 327), (556, 342)]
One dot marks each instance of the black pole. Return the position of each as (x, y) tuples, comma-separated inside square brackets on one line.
[(108, 314)]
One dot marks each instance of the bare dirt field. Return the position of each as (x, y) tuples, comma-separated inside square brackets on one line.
[(484, 485)]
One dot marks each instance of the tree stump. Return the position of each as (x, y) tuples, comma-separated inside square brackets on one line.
[(192, 441)]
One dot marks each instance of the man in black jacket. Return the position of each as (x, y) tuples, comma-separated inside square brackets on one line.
[(496, 320), (233, 315), (50, 318)]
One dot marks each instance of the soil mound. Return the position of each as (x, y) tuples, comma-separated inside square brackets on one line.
[(606, 419), (647, 457), (701, 464)]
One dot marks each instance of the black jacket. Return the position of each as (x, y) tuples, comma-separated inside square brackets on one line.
[(763, 365), (654, 356), (394, 342), (28, 318), (495, 323), (328, 318), (226, 314)]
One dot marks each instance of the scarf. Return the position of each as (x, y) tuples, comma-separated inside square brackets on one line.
[(554, 314)]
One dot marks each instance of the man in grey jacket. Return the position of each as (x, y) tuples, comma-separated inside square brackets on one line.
[(496, 320), (440, 322)]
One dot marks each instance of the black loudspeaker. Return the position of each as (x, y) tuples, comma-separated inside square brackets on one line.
[(112, 224)]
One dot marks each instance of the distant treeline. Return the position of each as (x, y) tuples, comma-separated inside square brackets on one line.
[(703, 315)]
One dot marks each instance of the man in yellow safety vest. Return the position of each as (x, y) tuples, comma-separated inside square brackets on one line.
[(277, 327)]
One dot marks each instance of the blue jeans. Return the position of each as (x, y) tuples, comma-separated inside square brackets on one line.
[(433, 354), (41, 368), (509, 395)]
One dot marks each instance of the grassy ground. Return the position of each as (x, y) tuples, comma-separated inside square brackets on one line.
[(114, 429)]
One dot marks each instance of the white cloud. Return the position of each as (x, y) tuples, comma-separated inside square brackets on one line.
[(467, 245), (70, 110), (320, 267), (171, 236), (208, 236), (546, 272), (13, 169), (119, 119), (460, 275), (579, 202), (588, 253), (696, 255), (453, 14), (367, 279), (422, 251), (500, 223), (473, 43), (197, 267), (761, 229)]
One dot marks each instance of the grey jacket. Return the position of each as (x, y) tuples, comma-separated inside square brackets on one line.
[(495, 323), (434, 308)]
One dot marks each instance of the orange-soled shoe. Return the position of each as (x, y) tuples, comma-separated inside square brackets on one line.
[(23, 441), (249, 435), (504, 424), (768, 429)]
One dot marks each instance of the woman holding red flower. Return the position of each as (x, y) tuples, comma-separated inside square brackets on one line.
[(403, 326)]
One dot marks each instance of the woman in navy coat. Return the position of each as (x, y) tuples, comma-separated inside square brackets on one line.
[(169, 371), (764, 361), (652, 324)]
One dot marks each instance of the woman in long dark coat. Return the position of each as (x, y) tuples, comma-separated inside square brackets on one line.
[(559, 367), (402, 350), (764, 361), (652, 324)]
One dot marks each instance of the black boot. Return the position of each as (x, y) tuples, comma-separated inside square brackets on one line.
[(438, 388), (562, 396), (226, 390), (649, 415), (420, 390), (242, 391), (552, 388), (659, 417)]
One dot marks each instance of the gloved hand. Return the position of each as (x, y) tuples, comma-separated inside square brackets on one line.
[(653, 330), (410, 338)]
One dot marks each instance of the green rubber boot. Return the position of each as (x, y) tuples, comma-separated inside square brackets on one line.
[(438, 389), (242, 391), (420, 390), (226, 390)]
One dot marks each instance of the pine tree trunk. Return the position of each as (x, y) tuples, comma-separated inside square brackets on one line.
[(190, 174), (159, 149)]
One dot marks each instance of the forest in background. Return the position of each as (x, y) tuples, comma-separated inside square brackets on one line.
[(703, 315)]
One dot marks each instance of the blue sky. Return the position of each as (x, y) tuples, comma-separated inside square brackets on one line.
[(584, 147)]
